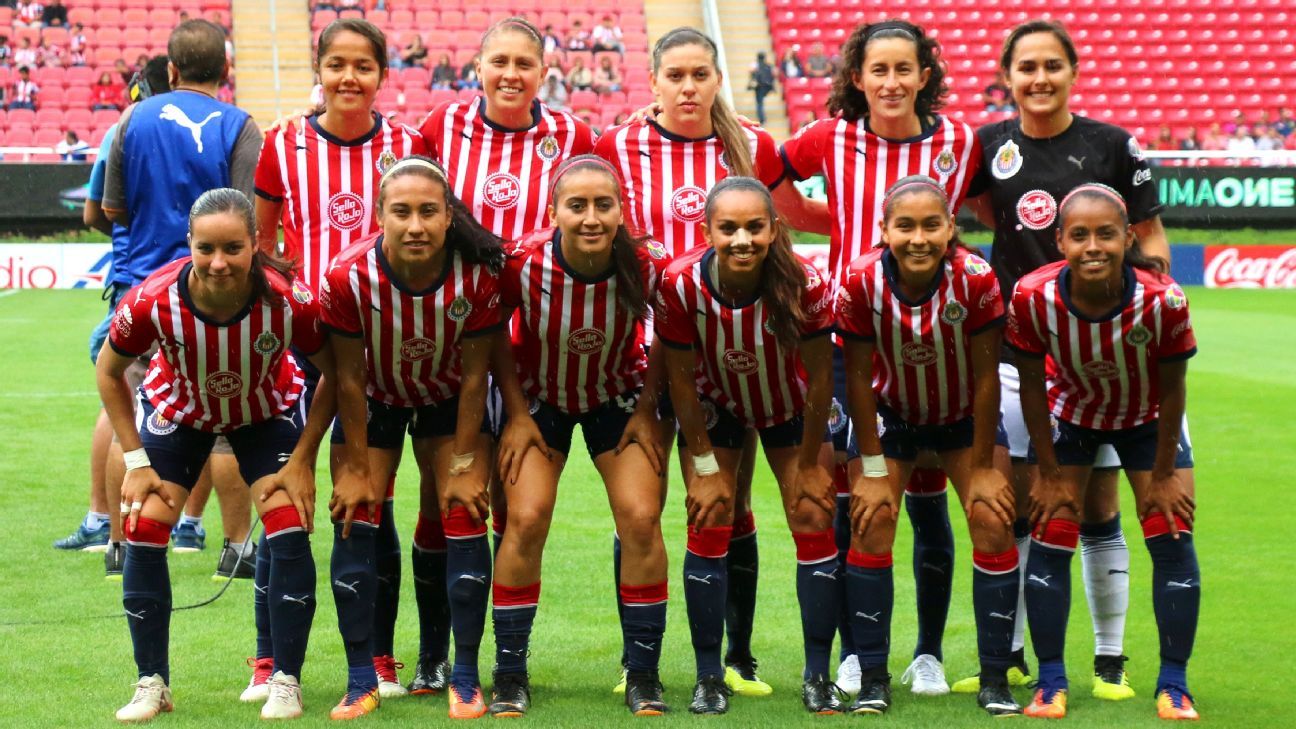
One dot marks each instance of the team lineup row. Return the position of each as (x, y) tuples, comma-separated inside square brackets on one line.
[(651, 287)]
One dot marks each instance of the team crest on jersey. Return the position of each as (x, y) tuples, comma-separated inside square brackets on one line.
[(917, 354), (768, 326), (688, 204), (812, 277), (585, 341), (1175, 297), (656, 249), (723, 159), (385, 161), (709, 414), (501, 190), (740, 362), (346, 210), (459, 309), (300, 293), (417, 349), (158, 425), (836, 417), (976, 266), (1101, 369), (223, 384), (1138, 336), (266, 344), (124, 321), (1037, 210), (548, 148), (945, 163), (1007, 161), (954, 313)]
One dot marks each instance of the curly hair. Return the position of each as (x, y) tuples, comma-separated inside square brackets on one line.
[(850, 102)]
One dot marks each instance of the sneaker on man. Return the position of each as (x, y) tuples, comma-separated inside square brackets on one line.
[(151, 698), (355, 704), (848, 675), (997, 699), (258, 689), (710, 696), (285, 700), (431, 676), (233, 565), (389, 685), (1111, 682), (114, 561), (466, 701), (1047, 703), (1175, 703), (926, 676), (821, 696), (187, 538), (510, 696), (643, 694), (740, 676), (86, 540), (874, 694)]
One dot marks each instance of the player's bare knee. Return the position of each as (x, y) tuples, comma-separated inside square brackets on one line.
[(989, 534)]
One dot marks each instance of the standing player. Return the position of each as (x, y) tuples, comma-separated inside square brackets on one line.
[(1103, 338), (223, 321), (319, 175), (1029, 164), (746, 325), (582, 289), (885, 99), (670, 163), (410, 313), (928, 314)]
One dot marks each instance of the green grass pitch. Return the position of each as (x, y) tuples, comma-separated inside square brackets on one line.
[(72, 670)]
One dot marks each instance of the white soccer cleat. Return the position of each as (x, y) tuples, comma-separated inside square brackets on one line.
[(151, 698), (927, 676), (848, 675), (389, 685), (258, 688), (285, 700)]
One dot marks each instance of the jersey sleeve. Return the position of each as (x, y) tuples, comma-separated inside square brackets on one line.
[(1176, 340), (485, 314), (672, 322), (269, 183), (985, 301), (817, 302), (658, 260), (510, 279), (974, 167), (803, 153), (854, 316), (338, 308), (132, 333), (418, 143), (766, 160), (1134, 180), (431, 127), (1022, 335), (307, 335), (583, 139)]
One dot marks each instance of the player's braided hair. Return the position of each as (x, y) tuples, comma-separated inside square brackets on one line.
[(465, 235), (229, 200), (1102, 193), (782, 278), (850, 102), (626, 259)]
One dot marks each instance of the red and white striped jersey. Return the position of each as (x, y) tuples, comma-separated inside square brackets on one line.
[(328, 186), (1102, 373), (575, 348), (667, 177), (412, 338), (742, 367), (503, 175), (858, 167), (922, 362), (210, 376)]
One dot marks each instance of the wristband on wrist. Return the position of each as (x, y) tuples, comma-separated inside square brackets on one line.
[(137, 458), (459, 464), (706, 464), (874, 466)]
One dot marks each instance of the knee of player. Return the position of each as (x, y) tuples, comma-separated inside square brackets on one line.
[(640, 525), (878, 536), (808, 516), (987, 530), (531, 522)]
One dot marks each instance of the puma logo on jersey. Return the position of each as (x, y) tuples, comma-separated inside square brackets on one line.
[(171, 112), (1079, 163), (644, 153)]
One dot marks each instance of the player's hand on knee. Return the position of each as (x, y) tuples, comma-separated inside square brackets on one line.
[(1169, 496), (641, 429), (351, 490), (297, 481), (872, 497), (520, 435), (140, 484), (814, 484), (1050, 496), (709, 498), (469, 491), (988, 486)]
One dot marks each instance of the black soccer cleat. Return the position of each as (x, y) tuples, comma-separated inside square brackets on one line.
[(995, 697), (232, 565), (875, 693), (114, 561), (510, 696), (431, 676), (822, 696), (710, 696), (643, 694)]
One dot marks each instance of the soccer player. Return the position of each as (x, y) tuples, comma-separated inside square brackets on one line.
[(223, 321), (746, 322), (1103, 338), (886, 126), (582, 288), (921, 316), (670, 162), (319, 175), (410, 313), (1030, 163)]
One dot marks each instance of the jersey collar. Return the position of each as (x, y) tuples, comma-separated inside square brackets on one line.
[(892, 272), (536, 117), (1127, 282), (400, 285), (926, 132), (705, 273), (677, 137), (187, 297), (566, 267), (377, 126)]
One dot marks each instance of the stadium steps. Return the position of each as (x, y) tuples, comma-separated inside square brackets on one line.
[(746, 27), (255, 41), (663, 16)]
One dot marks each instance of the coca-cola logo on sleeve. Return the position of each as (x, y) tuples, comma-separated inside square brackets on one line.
[(1251, 267)]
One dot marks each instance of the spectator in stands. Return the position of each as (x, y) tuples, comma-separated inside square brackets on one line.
[(415, 53), (23, 93), (555, 65), (6, 51), (1266, 138), (72, 148), (395, 62), (142, 60), (25, 55), (1241, 140), (818, 64), (1239, 120), (580, 78), (553, 93), (468, 74), (790, 65), (1164, 139), (52, 55), (997, 96), (1215, 140), (27, 15), (107, 93), (351, 5), (1285, 123), (77, 38), (218, 19), (1190, 142), (606, 36), (578, 39), (607, 79), (761, 84), (121, 69), (444, 75), (54, 15), (552, 43)]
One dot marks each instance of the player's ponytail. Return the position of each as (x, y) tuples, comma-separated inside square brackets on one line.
[(737, 150), (783, 279), (229, 200), (466, 236), (1102, 193)]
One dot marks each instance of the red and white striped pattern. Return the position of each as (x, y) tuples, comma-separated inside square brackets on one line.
[(502, 175), (743, 368), (575, 349), (216, 377), (411, 339), (923, 360), (859, 166), (328, 187), (667, 177), (1102, 374)]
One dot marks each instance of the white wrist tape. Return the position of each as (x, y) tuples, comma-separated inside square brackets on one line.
[(706, 464), (137, 458), (459, 464), (874, 466)]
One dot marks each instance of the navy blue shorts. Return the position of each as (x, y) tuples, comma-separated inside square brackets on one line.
[(839, 416), (726, 431), (1136, 447), (389, 423), (179, 452), (113, 294), (902, 440), (603, 426)]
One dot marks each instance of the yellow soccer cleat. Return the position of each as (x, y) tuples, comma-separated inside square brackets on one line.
[(356, 704), (620, 688), (1111, 682), (1017, 678), (1174, 703), (741, 678), (1047, 704), (466, 704)]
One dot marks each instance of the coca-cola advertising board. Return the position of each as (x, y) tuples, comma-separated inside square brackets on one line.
[(1250, 267)]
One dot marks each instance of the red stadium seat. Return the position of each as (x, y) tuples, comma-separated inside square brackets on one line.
[(104, 117)]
